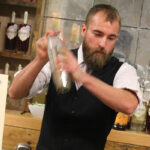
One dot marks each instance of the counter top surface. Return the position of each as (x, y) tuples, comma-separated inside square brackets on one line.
[(26, 120)]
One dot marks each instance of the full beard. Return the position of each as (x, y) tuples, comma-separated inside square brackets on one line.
[(92, 59)]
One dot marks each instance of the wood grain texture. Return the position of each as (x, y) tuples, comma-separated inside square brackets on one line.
[(130, 137), (15, 135), (16, 119), (26, 129), (123, 146)]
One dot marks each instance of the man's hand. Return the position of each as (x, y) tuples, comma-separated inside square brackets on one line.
[(69, 63), (42, 44)]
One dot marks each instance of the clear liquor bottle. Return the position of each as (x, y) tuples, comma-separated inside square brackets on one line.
[(138, 120)]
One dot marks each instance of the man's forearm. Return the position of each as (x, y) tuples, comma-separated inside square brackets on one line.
[(23, 81), (117, 99)]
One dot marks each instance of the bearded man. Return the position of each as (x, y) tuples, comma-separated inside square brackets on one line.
[(82, 118)]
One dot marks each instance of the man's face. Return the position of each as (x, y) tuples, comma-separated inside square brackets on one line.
[(99, 38)]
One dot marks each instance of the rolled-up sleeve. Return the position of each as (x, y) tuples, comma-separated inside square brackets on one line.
[(126, 78), (41, 82)]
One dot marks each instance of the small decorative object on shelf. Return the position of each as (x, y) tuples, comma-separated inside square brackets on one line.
[(23, 35), (11, 34)]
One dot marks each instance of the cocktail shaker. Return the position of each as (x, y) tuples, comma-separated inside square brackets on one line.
[(61, 79)]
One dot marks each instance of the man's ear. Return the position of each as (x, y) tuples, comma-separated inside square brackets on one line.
[(83, 30)]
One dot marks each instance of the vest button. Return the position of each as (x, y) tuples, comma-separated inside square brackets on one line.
[(66, 140), (75, 98), (73, 112)]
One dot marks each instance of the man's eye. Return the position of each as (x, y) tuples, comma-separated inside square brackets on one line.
[(112, 38)]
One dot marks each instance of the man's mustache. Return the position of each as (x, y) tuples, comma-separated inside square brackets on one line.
[(101, 50)]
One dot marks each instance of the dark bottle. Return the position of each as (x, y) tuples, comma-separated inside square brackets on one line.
[(23, 35), (148, 120), (121, 122), (11, 34)]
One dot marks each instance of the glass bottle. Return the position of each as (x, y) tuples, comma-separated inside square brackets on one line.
[(61, 79), (138, 120), (147, 96), (11, 34), (148, 119), (23, 35), (121, 122)]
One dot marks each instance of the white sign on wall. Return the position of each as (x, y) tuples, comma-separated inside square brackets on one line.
[(3, 96)]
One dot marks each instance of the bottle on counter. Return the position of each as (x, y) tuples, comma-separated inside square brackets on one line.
[(148, 119), (11, 34), (121, 122), (147, 96), (23, 37), (138, 120)]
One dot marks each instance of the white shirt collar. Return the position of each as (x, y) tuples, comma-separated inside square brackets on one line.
[(80, 55)]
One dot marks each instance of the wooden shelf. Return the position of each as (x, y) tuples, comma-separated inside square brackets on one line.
[(9, 54), (18, 3)]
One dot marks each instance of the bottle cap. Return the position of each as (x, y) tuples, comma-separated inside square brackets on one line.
[(13, 17), (25, 17)]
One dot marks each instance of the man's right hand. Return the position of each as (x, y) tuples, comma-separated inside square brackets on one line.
[(42, 44)]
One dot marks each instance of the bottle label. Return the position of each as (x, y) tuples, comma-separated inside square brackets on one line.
[(12, 31), (24, 33)]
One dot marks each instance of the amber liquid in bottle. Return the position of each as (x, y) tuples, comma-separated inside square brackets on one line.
[(23, 36), (11, 34), (121, 122)]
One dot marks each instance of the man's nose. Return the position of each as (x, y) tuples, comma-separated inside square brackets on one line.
[(102, 42)]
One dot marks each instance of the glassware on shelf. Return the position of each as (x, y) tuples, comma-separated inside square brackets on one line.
[(61, 79)]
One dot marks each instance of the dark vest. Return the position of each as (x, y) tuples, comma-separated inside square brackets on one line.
[(78, 120)]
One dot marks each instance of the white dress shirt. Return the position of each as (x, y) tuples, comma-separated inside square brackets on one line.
[(125, 78)]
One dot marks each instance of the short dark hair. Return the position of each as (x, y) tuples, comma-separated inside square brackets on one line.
[(111, 13)]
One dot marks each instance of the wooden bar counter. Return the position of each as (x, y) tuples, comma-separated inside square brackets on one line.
[(24, 128)]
